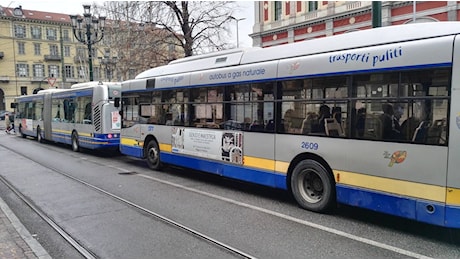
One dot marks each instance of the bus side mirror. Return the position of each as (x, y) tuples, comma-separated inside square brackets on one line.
[(117, 102), (13, 105)]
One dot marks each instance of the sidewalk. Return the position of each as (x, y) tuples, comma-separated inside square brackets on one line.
[(15, 240)]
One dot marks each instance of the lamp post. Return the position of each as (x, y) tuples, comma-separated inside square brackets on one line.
[(94, 32), (237, 34)]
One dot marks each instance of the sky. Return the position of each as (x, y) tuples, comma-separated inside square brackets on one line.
[(75, 7)]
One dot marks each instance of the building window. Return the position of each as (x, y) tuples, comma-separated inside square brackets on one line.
[(54, 50), (278, 10), (106, 53), (312, 6), (22, 70), (53, 71), (81, 52), (19, 31), (51, 34), (21, 48), (23, 90), (36, 32), (37, 49), (67, 51), (69, 71), (81, 72), (39, 70), (65, 36)]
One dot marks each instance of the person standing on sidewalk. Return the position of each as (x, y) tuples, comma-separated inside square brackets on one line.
[(7, 123)]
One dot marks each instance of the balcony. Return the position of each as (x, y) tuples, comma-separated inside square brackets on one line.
[(53, 58), (4, 79)]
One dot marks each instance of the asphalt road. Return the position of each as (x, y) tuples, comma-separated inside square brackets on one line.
[(264, 223)]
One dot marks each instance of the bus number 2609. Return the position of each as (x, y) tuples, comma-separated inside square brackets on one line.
[(309, 146)]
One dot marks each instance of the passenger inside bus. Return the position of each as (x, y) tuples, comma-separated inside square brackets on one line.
[(391, 130), (324, 112)]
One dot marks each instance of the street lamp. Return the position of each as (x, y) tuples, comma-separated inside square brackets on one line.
[(237, 34), (94, 32)]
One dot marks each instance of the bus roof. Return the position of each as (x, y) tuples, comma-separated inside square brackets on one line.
[(92, 84), (356, 39)]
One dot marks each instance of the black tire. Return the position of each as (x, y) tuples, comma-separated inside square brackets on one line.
[(152, 155), (39, 135), (75, 143), (21, 133), (313, 186)]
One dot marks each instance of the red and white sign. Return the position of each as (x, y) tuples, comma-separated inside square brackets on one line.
[(51, 81)]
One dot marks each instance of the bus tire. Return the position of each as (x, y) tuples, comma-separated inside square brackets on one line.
[(75, 143), (313, 186), (152, 154), (39, 135), (21, 133)]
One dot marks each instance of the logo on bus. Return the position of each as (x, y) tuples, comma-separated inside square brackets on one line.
[(396, 157)]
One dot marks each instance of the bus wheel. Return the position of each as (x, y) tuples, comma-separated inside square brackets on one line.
[(39, 135), (75, 144), (21, 133), (153, 155), (313, 186)]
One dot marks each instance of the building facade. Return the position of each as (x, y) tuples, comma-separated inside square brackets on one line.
[(38, 50), (282, 22)]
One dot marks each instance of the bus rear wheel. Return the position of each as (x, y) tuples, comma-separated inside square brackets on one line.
[(21, 133), (152, 154), (75, 143), (313, 186)]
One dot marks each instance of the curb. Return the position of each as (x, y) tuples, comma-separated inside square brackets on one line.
[(36, 248)]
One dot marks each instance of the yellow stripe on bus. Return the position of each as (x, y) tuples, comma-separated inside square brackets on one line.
[(405, 188), (129, 141), (166, 148), (453, 196), (261, 163), (70, 132)]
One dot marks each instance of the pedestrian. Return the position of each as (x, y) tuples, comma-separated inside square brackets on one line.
[(7, 123), (11, 119)]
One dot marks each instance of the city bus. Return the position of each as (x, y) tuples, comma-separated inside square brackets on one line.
[(368, 118), (83, 116)]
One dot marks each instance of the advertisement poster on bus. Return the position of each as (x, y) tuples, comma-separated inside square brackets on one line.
[(217, 145), (116, 120), (27, 124)]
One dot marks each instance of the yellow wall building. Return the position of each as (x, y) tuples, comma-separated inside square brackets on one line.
[(38, 50)]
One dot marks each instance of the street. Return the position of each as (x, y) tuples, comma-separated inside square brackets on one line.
[(105, 202)]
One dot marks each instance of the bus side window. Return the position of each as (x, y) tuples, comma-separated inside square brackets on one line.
[(87, 116)]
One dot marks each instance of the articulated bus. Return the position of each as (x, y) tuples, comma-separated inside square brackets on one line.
[(369, 119), (83, 116)]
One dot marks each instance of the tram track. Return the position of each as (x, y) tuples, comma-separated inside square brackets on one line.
[(85, 252)]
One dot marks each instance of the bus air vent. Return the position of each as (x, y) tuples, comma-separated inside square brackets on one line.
[(97, 119)]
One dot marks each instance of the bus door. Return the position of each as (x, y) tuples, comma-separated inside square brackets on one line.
[(453, 174), (47, 116)]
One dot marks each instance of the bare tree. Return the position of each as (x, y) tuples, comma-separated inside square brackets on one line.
[(146, 34), (199, 26)]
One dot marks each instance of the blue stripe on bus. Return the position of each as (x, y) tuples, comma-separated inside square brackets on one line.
[(421, 66), (411, 208), (452, 216), (100, 142), (132, 151), (229, 170)]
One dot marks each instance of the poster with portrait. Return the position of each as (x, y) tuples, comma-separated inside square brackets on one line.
[(211, 144)]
